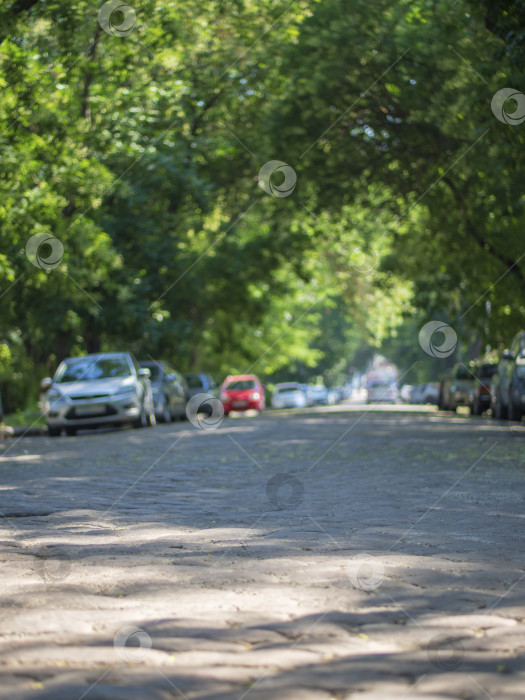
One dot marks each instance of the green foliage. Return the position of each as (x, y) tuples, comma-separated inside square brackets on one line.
[(141, 154)]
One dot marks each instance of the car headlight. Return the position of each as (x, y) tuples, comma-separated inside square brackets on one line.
[(256, 395), (54, 396), (125, 391)]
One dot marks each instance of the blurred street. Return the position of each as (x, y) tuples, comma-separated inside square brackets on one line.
[(339, 552)]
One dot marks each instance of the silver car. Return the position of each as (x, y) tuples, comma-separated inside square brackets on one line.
[(288, 395), (99, 389)]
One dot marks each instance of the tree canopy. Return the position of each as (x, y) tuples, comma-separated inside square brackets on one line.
[(136, 138)]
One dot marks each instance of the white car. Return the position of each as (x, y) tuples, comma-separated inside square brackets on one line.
[(288, 395), (381, 391), (98, 389), (317, 395)]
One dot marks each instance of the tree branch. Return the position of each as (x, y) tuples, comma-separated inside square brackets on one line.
[(85, 112)]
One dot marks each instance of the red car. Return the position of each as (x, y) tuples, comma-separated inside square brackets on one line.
[(242, 392)]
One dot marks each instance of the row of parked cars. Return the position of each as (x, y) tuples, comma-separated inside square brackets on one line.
[(296, 395), (499, 386), (116, 389)]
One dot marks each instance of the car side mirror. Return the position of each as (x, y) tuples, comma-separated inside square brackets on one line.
[(507, 355), (144, 372), (45, 384)]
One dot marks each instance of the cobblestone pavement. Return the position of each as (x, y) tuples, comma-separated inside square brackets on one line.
[(322, 554)]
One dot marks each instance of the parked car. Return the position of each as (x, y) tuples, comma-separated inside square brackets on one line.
[(169, 390), (242, 392), (305, 388), (406, 393), (288, 395), (479, 397), (334, 396), (455, 389), (98, 389), (382, 391), (417, 395), (426, 393), (317, 395), (508, 383), (200, 384)]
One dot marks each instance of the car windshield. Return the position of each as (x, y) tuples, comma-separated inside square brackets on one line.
[(463, 373), (194, 381), (88, 369), (287, 387), (486, 371), (240, 385)]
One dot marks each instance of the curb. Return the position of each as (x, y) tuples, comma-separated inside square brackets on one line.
[(8, 432)]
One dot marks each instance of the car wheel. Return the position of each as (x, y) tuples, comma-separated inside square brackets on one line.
[(166, 412), (150, 417), (500, 411), (142, 420), (54, 432), (71, 431), (515, 414)]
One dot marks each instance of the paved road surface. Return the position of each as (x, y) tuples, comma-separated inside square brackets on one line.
[(325, 554)]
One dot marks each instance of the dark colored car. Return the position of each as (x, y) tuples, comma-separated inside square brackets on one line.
[(455, 389), (508, 386), (479, 397), (200, 384), (170, 391)]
